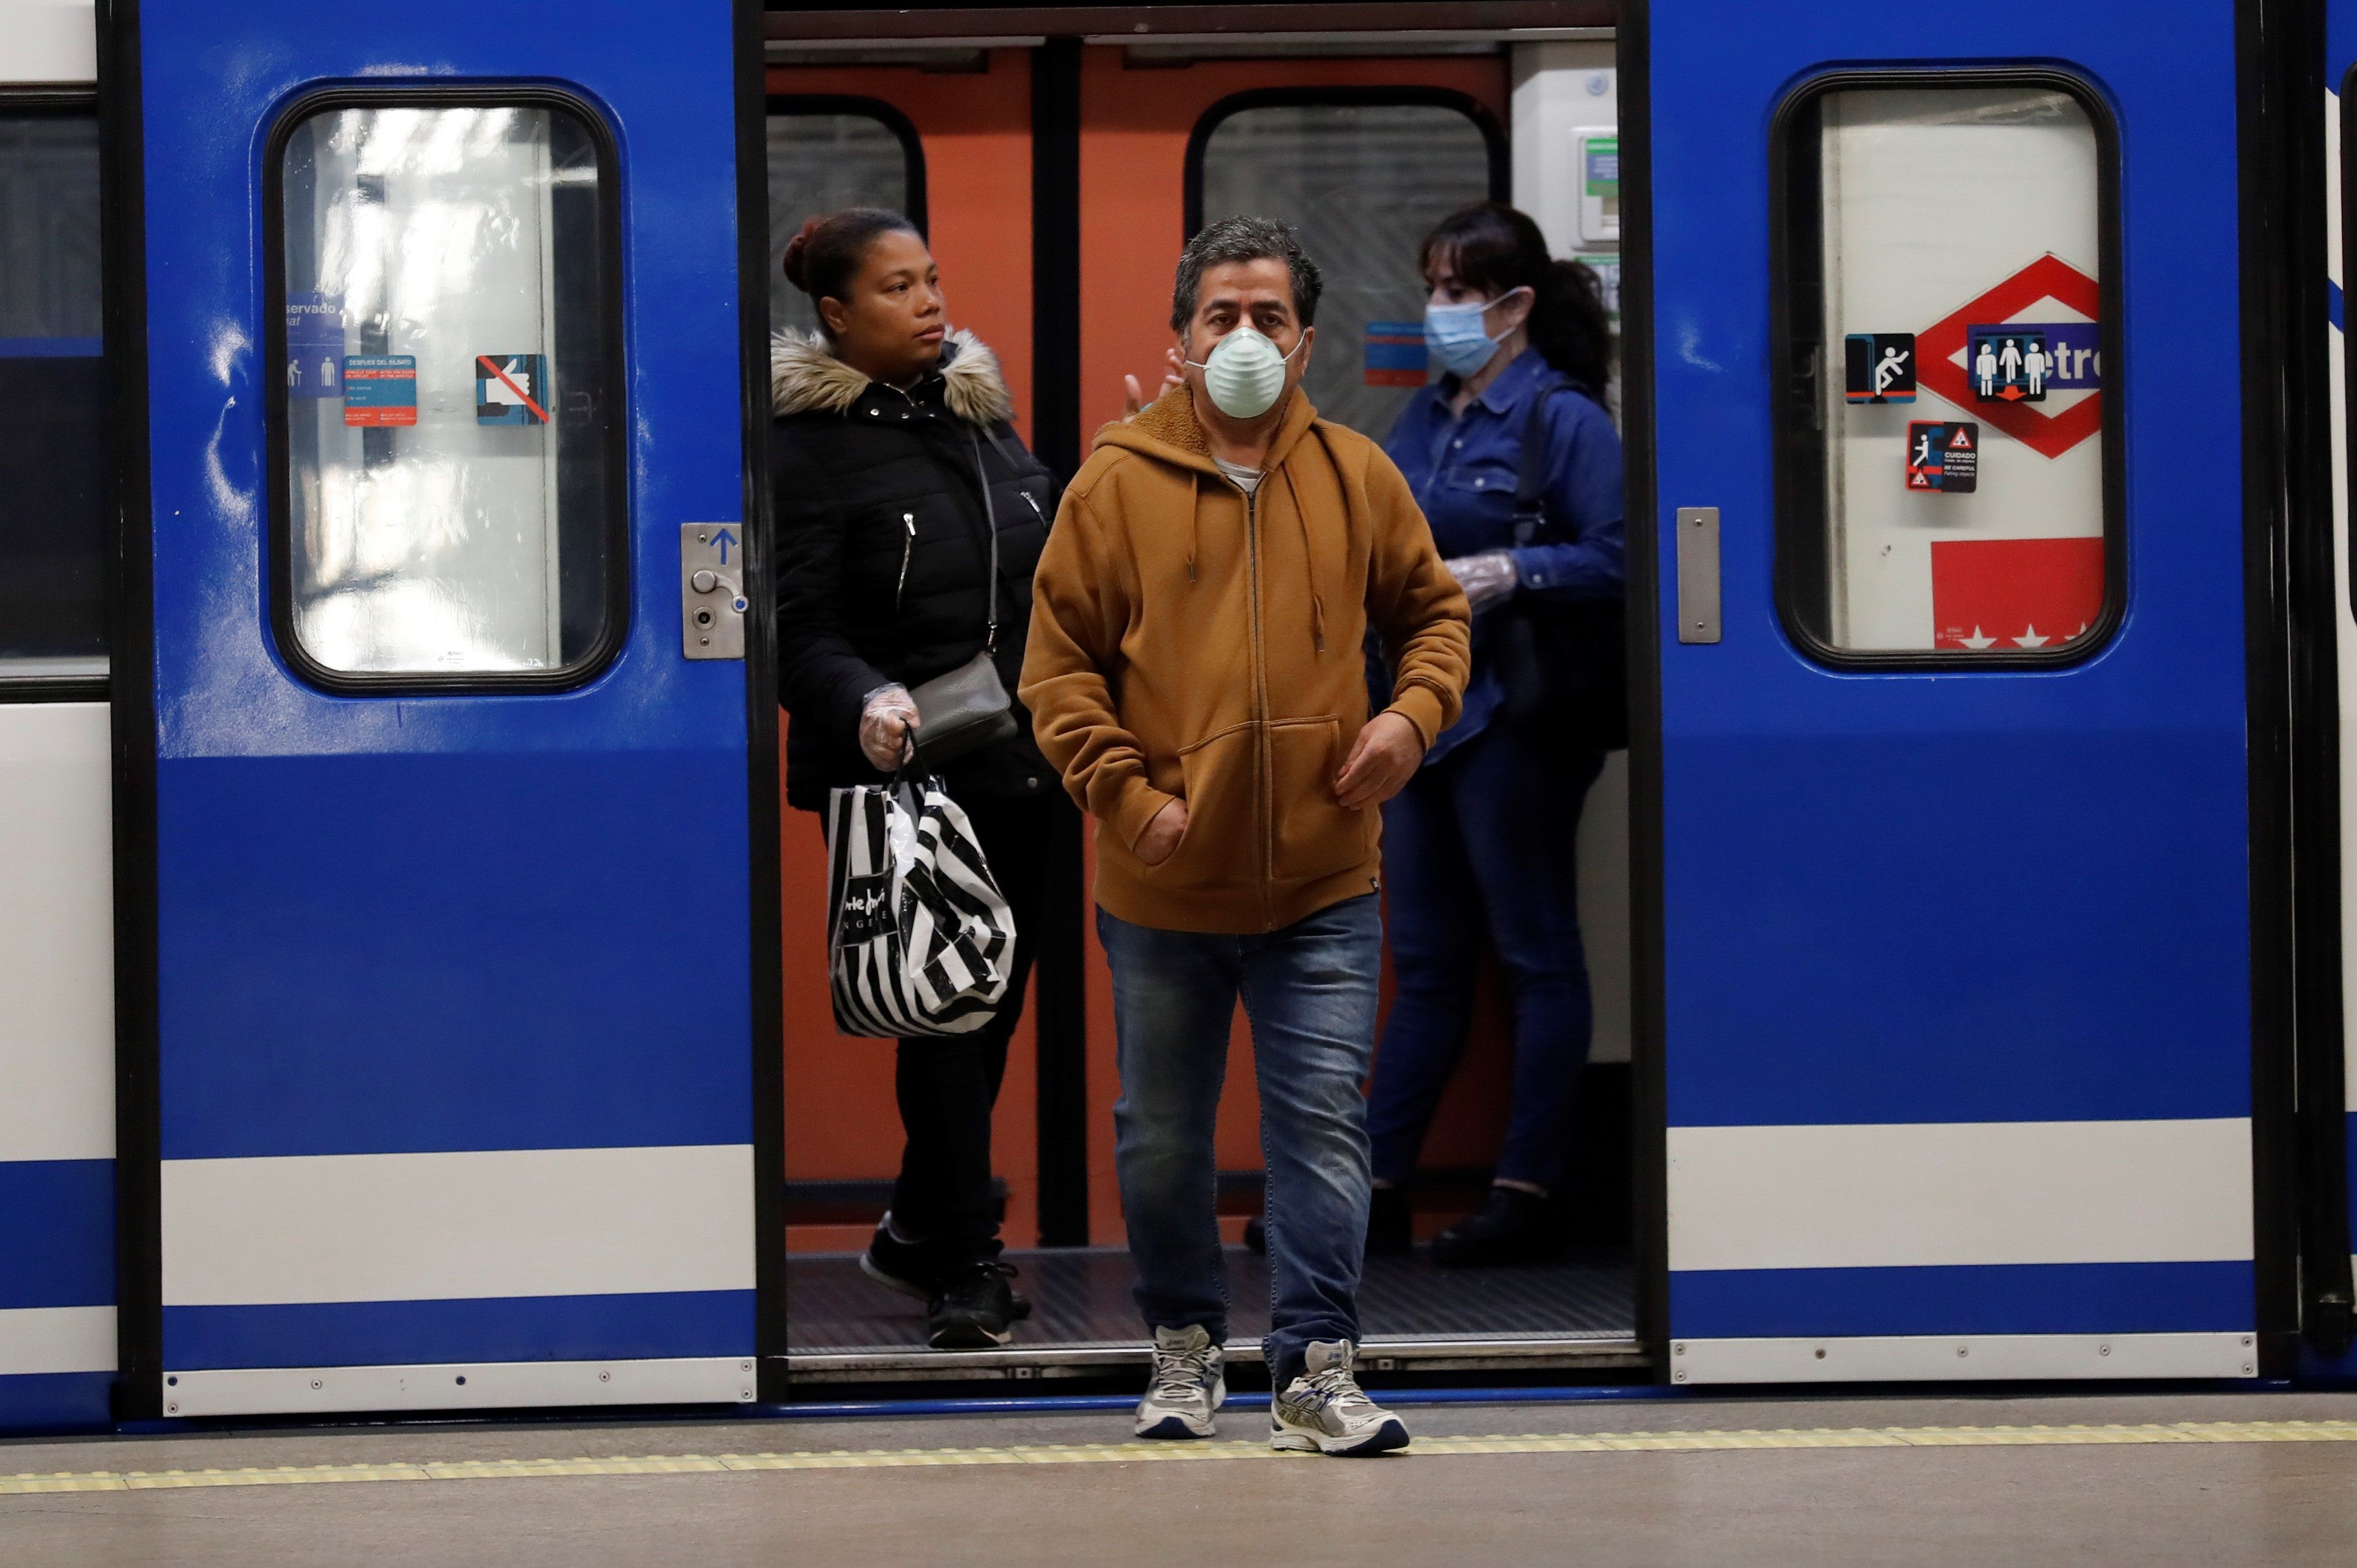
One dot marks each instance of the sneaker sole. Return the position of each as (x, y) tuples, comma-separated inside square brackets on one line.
[(1384, 1439), (875, 1270), (968, 1336), (1177, 1424)]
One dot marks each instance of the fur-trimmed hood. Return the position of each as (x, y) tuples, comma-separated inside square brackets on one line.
[(805, 375)]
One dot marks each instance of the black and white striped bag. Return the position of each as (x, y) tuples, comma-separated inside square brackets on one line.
[(919, 940)]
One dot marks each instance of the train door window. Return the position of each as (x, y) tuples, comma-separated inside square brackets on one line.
[(1950, 473), (53, 407), (1363, 175), (449, 475), (828, 154)]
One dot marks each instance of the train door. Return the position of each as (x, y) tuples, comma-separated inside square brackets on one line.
[(447, 1069), (56, 996), (1940, 368)]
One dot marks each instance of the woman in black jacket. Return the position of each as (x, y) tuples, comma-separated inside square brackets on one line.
[(888, 426)]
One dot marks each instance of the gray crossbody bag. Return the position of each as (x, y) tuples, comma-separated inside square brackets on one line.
[(967, 709)]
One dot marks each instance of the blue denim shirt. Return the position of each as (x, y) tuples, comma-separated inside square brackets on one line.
[(1464, 468)]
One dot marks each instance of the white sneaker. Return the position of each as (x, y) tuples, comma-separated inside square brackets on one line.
[(1188, 1384), (1326, 1412)]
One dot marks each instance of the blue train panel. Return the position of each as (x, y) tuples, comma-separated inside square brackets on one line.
[(1955, 860), (452, 866)]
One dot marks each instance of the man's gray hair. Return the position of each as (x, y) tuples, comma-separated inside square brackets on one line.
[(1245, 240)]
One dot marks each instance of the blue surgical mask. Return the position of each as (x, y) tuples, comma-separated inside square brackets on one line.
[(1244, 373), (1454, 334)]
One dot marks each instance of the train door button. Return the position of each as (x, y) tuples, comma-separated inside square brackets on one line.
[(712, 590)]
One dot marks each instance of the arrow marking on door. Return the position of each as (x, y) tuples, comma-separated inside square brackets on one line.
[(724, 538)]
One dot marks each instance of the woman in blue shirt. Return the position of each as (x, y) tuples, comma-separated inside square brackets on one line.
[(1483, 838)]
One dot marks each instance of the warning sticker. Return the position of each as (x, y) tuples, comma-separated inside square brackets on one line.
[(2008, 594), (1943, 456), (1879, 367), (511, 388), (1396, 354), (379, 389), (1603, 171), (314, 345)]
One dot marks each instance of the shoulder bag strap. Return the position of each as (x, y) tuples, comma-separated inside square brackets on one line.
[(990, 520), (1530, 481)]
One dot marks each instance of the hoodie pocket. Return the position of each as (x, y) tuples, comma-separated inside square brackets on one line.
[(1222, 814), (1315, 836)]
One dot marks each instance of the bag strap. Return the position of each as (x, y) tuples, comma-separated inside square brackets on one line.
[(1530, 481), (990, 520)]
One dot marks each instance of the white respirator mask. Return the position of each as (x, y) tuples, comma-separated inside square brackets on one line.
[(1244, 373)]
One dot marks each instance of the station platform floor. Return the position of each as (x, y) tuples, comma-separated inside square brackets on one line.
[(2091, 1480)]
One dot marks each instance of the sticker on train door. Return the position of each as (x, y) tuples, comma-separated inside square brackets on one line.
[(1879, 367), (379, 389), (2004, 594), (1943, 456), (509, 389), (314, 345)]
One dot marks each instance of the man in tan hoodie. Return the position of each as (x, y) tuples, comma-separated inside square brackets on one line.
[(1196, 672)]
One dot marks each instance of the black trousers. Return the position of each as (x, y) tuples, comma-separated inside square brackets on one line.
[(947, 1085)]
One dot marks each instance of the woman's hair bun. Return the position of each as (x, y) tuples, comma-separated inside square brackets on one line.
[(797, 248), (822, 260)]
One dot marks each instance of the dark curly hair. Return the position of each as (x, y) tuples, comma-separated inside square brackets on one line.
[(1245, 240)]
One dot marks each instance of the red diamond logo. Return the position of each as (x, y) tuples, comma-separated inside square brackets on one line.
[(1937, 349)]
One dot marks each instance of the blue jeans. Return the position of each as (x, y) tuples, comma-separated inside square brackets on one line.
[(1311, 992), (1484, 839)]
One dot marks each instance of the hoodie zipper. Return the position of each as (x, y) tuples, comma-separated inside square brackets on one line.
[(908, 545)]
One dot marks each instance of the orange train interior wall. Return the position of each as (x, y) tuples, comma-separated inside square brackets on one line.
[(841, 1120)]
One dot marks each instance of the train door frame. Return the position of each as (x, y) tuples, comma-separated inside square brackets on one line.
[(1057, 37)]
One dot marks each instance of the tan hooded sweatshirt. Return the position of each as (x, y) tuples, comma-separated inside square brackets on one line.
[(1188, 640)]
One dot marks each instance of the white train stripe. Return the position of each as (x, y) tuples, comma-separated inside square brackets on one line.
[(36, 1339), (57, 933), (494, 1385), (1916, 1194), (518, 1223), (1954, 1357)]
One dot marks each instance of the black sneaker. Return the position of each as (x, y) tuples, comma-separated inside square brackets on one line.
[(1510, 1226), (972, 1311), (911, 1268)]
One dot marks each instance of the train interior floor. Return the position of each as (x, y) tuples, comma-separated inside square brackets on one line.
[(2086, 1479), (1081, 1299)]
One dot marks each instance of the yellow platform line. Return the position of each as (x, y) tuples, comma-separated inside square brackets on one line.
[(1167, 1453)]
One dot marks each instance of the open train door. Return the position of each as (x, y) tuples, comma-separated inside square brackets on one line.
[(453, 924), (1934, 330)]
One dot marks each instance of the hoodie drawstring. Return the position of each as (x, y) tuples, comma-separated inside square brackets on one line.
[(1194, 523), (1310, 555)]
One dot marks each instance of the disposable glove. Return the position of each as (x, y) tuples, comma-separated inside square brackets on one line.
[(1488, 578), (891, 714)]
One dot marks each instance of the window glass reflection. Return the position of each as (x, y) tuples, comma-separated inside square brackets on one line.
[(446, 384)]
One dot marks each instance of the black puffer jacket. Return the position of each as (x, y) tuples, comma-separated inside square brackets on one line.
[(883, 556)]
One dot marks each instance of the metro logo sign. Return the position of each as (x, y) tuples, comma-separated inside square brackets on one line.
[(1940, 350)]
